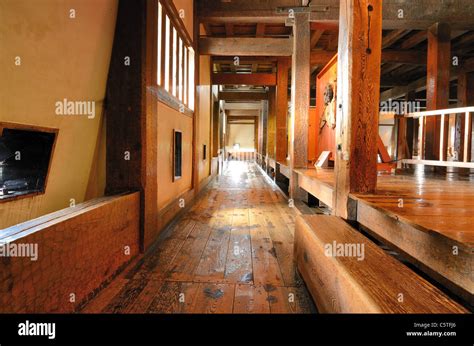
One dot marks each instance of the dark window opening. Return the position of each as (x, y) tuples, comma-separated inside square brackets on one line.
[(24, 161), (204, 152), (177, 164)]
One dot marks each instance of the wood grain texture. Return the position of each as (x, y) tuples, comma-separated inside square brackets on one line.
[(237, 233), (358, 84), (377, 283), (300, 88)]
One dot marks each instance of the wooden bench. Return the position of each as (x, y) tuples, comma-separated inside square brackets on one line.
[(347, 273)]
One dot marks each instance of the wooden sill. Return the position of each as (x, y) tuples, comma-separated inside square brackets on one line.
[(171, 101)]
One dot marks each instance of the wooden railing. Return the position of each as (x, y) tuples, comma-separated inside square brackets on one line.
[(465, 138)]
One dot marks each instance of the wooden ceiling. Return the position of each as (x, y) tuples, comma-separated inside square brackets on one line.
[(406, 44)]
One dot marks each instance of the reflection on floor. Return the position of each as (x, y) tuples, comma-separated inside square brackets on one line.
[(231, 253)]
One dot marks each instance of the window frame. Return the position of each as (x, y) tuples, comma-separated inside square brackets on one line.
[(175, 89), (177, 177), (33, 128)]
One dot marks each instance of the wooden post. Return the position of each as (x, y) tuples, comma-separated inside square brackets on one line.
[(271, 128), (282, 110), (197, 82), (131, 161), (437, 89), (300, 88), (465, 99), (358, 85)]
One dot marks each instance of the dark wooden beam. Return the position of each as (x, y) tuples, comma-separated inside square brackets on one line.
[(229, 29), (260, 30), (414, 57), (393, 36), (282, 110), (358, 76), (242, 96), (131, 114), (267, 79), (315, 36), (437, 89)]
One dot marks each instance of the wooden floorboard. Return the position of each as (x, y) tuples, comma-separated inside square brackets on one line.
[(232, 252)]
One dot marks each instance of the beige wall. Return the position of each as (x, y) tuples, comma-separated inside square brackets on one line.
[(169, 119), (60, 58), (242, 134)]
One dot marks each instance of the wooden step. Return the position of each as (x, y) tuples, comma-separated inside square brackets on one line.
[(347, 273)]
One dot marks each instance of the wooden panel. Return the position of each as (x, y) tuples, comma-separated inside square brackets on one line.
[(437, 90), (364, 281), (267, 79), (358, 83), (77, 253)]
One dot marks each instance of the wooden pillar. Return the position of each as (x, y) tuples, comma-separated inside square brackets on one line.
[(131, 160), (300, 88), (271, 126), (282, 110), (358, 85), (197, 82), (264, 129), (437, 90), (465, 99)]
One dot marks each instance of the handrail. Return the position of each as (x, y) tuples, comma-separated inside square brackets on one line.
[(439, 112), (466, 136)]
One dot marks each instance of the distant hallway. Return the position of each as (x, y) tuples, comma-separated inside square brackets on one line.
[(232, 252)]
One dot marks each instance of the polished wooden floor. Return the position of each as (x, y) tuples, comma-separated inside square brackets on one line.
[(441, 203), (231, 253)]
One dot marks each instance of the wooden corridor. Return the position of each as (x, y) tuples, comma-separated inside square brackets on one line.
[(232, 252)]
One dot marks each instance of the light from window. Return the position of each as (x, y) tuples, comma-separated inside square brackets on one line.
[(191, 78), (185, 76), (175, 63), (160, 13), (180, 72), (167, 53)]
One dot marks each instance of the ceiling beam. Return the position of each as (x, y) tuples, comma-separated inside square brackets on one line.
[(244, 46), (315, 36), (242, 96), (260, 30), (392, 37), (267, 79), (417, 15)]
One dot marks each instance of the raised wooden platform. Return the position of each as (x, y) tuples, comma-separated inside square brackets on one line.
[(346, 272), (427, 218)]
